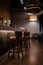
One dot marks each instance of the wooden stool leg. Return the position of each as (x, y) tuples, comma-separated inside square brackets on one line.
[(18, 52), (13, 51), (22, 51), (9, 53)]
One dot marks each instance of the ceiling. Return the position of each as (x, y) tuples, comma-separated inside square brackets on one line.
[(19, 7), (16, 6), (17, 3), (5, 4)]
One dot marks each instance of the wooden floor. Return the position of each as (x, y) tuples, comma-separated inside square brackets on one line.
[(34, 56)]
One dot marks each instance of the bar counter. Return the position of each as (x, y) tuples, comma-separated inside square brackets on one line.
[(3, 40), (8, 37), (5, 31)]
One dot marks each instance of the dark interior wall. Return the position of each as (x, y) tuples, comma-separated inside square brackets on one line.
[(41, 22), (5, 7), (4, 13), (5, 3), (22, 20), (41, 19)]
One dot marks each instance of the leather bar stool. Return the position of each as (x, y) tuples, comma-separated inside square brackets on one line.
[(19, 43), (26, 38), (11, 44), (16, 45)]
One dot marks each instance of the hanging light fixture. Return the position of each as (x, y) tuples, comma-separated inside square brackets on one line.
[(33, 17)]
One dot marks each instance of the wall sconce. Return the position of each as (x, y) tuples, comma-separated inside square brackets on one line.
[(7, 22)]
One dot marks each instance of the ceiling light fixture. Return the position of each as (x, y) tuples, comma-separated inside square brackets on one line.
[(21, 1), (24, 8), (33, 17)]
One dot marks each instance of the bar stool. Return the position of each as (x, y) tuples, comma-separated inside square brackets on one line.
[(19, 43), (16, 44), (10, 44), (26, 38)]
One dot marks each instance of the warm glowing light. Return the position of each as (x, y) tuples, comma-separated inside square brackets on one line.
[(9, 22), (5, 21), (6, 31), (13, 37), (33, 18), (33, 60)]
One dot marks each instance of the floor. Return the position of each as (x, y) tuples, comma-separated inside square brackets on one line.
[(34, 56)]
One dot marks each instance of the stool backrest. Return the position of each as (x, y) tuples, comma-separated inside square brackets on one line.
[(26, 33), (18, 34)]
